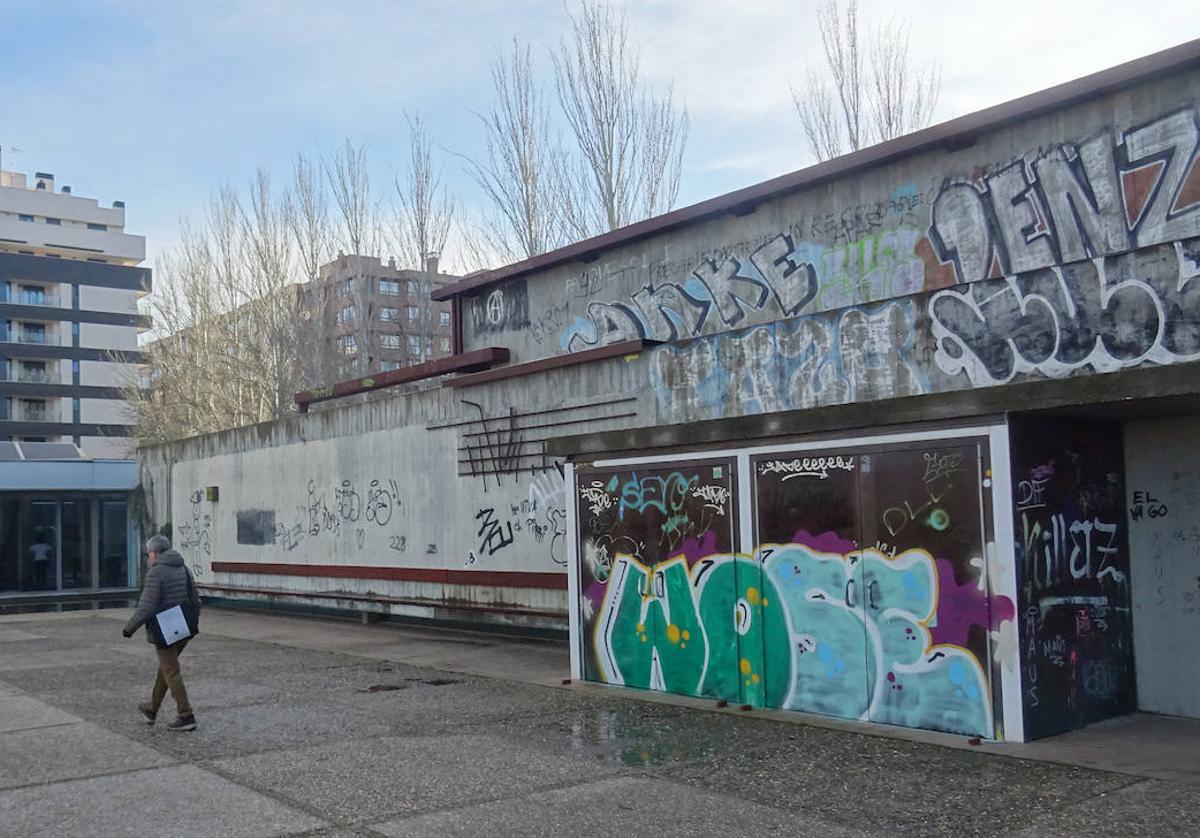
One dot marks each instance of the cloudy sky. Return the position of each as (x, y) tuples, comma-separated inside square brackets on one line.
[(156, 103)]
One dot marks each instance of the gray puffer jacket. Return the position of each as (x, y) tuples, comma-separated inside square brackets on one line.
[(165, 587)]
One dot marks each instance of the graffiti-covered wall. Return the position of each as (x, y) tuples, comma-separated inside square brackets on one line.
[(1073, 565), (1063, 244), (862, 588)]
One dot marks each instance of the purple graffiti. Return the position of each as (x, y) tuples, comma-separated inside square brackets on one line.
[(963, 606)]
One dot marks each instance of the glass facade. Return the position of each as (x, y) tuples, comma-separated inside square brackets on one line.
[(66, 542)]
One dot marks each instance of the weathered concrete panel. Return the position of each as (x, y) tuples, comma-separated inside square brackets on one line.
[(1162, 460), (1096, 179)]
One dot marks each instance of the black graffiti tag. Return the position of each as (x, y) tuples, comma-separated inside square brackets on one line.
[(492, 534)]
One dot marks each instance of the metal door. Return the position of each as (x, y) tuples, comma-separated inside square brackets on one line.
[(807, 523), (925, 594), (652, 539)]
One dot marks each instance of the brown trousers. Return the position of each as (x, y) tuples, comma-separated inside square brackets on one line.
[(169, 677)]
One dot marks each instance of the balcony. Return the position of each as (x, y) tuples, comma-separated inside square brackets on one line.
[(25, 299), (33, 338), (26, 413), (25, 376)]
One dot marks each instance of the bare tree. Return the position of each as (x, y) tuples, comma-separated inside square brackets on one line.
[(350, 183), (868, 92), (630, 142), (425, 210), (517, 175), (227, 352), (308, 217), (902, 97), (424, 214)]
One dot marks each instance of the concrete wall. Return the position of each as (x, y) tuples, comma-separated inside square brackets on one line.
[(1163, 492), (370, 501), (1058, 245), (102, 336), (92, 298)]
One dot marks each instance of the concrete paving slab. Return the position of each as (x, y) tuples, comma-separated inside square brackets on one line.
[(372, 780), (178, 800), (67, 752), (893, 786), (1142, 744), (12, 635), (19, 712), (1140, 808), (235, 731), (614, 807), (55, 658)]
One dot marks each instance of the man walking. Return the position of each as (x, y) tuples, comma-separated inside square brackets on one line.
[(168, 583)]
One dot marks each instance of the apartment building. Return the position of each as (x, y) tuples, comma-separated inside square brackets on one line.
[(69, 288), (368, 316), (69, 324)]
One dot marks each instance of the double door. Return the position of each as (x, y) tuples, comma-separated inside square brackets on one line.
[(849, 582)]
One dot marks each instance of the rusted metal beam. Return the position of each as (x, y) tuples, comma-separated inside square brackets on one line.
[(479, 359), (613, 350)]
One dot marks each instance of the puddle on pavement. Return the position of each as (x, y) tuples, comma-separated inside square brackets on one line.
[(639, 740)]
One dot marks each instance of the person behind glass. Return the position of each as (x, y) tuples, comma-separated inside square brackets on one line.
[(168, 583), (41, 551)]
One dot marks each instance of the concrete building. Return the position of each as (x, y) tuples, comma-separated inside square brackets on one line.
[(69, 288), (368, 316), (908, 437)]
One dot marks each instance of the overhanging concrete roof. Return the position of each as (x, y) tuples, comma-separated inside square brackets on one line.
[(1138, 392), (69, 476), (951, 135)]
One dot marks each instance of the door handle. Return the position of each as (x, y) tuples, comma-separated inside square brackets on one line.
[(871, 589), (850, 593)]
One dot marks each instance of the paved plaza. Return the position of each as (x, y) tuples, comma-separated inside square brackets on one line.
[(322, 727)]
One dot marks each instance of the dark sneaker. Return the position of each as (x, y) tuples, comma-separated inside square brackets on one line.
[(148, 712), (187, 722)]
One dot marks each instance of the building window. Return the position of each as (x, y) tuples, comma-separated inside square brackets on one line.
[(101, 227), (54, 222), (445, 344), (414, 313), (414, 344), (31, 295), (443, 318), (390, 287), (348, 345), (33, 333), (414, 288), (24, 217), (345, 315), (388, 366), (33, 372), (389, 341), (389, 314), (32, 410), (346, 288)]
